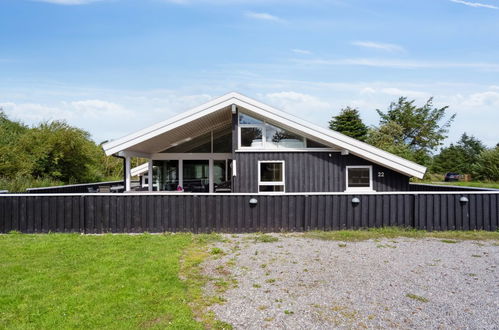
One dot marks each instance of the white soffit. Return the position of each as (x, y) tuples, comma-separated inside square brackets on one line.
[(323, 135)]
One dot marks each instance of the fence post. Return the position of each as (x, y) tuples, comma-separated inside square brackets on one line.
[(415, 220)]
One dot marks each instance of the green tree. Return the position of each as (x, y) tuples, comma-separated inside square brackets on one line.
[(459, 157), (348, 122), (487, 165), (388, 138), (420, 129), (50, 153)]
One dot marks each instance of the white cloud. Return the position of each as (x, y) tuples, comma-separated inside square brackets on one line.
[(301, 51), (401, 64), (263, 16), (475, 4), (68, 2), (300, 104), (404, 92), (379, 46)]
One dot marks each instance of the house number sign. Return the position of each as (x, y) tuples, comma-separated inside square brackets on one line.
[(381, 174)]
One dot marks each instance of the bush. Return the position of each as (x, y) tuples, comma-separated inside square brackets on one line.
[(487, 165)]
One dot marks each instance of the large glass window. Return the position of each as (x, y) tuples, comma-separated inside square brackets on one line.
[(271, 176), (251, 137), (165, 175), (258, 134), (248, 120), (215, 141), (195, 176), (359, 177), (222, 174), (222, 141), (277, 137)]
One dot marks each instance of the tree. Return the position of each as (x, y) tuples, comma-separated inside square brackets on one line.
[(459, 157), (487, 165), (388, 138), (50, 153), (420, 129), (348, 122)]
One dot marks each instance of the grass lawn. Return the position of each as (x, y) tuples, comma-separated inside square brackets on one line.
[(478, 184), (111, 281), (394, 232), (494, 185)]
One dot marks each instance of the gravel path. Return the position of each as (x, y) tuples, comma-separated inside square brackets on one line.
[(314, 284)]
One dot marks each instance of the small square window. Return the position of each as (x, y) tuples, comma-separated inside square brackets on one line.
[(271, 176), (359, 177)]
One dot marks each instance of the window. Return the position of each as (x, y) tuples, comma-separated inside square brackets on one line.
[(165, 175), (359, 177), (251, 137), (258, 134), (218, 141), (271, 176)]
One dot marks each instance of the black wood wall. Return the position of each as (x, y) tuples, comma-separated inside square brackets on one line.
[(312, 172)]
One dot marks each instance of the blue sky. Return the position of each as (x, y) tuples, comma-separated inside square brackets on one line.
[(114, 66)]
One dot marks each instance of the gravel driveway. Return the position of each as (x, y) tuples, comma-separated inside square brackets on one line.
[(298, 282)]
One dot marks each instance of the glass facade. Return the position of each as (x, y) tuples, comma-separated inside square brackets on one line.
[(215, 141), (259, 134), (195, 176), (165, 175)]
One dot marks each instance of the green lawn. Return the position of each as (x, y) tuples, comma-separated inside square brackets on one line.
[(395, 232), (479, 184), (79, 281)]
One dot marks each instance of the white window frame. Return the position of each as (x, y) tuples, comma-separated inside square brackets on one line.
[(272, 183), (263, 127), (370, 188)]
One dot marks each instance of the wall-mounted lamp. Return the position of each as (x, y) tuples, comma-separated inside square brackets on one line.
[(463, 200), (355, 201), (253, 202)]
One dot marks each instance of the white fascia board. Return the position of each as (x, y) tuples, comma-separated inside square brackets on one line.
[(356, 147), (164, 126), (141, 169)]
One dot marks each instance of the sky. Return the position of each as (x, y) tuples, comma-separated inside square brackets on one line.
[(113, 67)]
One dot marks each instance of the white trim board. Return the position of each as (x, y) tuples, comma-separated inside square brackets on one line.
[(287, 121), (463, 193)]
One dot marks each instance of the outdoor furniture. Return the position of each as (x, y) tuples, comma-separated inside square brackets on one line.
[(104, 189)]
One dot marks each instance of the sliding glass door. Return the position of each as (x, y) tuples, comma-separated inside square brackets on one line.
[(192, 175), (196, 176)]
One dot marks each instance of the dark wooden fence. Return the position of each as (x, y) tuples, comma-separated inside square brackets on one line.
[(132, 213)]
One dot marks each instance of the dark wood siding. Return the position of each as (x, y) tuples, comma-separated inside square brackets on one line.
[(312, 172), (98, 213)]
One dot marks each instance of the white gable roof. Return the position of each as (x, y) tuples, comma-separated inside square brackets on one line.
[(323, 135)]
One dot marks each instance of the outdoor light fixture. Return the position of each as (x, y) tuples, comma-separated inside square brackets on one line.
[(355, 201), (463, 200), (253, 202)]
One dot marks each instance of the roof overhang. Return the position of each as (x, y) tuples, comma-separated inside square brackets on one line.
[(218, 112)]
